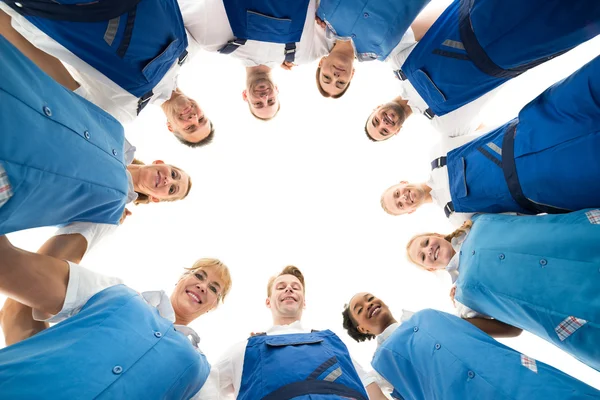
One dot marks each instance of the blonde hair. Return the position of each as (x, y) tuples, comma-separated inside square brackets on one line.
[(383, 203), (143, 198), (463, 229), (289, 270), (219, 268)]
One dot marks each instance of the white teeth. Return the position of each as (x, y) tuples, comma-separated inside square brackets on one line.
[(437, 253), (193, 296)]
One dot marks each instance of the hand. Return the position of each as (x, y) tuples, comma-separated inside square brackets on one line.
[(287, 65), (320, 22), (126, 212), (452, 293)]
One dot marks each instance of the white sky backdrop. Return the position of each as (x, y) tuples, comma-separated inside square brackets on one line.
[(302, 189)]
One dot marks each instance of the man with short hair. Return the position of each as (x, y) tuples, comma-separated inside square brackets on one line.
[(450, 66), (262, 34), (543, 161), (289, 360), (121, 79)]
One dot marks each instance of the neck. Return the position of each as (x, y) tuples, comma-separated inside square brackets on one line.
[(259, 69), (179, 320), (282, 320), (174, 94), (427, 190), (134, 170), (343, 47), (404, 104)]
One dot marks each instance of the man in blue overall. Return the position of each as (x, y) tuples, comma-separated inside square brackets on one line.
[(262, 34), (543, 161), (119, 69), (434, 355), (366, 30), (471, 49), (290, 361)]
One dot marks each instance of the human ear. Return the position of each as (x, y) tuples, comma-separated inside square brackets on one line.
[(268, 303), (153, 199), (244, 95), (158, 162), (169, 126)]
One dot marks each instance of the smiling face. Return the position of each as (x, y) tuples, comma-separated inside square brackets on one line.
[(160, 181), (262, 96), (186, 119), (287, 297), (336, 72), (370, 314), (430, 252), (196, 293), (403, 198), (385, 121)]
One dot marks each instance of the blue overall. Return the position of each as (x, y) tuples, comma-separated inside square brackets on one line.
[(544, 161), (312, 365), (375, 26), (477, 45), (62, 154), (538, 273), (435, 355), (272, 21), (116, 347), (132, 42)]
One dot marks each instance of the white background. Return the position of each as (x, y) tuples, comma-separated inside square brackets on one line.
[(302, 189)]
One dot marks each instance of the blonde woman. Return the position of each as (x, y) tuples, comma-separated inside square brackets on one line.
[(537, 273), (109, 340)]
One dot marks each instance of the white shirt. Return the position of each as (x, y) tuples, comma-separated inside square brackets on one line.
[(438, 179), (207, 22), (229, 369), (83, 284), (462, 121), (96, 87)]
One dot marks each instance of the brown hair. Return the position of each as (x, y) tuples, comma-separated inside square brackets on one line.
[(463, 229), (145, 199), (207, 140), (221, 270), (289, 270), (325, 94)]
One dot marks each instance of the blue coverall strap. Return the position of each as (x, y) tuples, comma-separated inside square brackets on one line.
[(290, 52), (400, 75), (439, 162), (509, 168), (183, 57), (232, 46), (396, 395), (143, 101), (98, 11), (429, 113), (478, 55), (448, 209)]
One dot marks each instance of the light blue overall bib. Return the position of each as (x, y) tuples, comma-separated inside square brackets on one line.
[(375, 26), (435, 355), (62, 154), (538, 273), (272, 21), (116, 347), (477, 45), (303, 366), (544, 161), (132, 42)]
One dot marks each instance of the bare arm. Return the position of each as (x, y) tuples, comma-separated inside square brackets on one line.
[(50, 65), (375, 393), (425, 19), (16, 319), (495, 328)]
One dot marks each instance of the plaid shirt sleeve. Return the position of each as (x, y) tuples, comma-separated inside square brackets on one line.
[(5, 189)]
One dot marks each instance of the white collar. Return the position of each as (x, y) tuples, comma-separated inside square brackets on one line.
[(452, 267), (159, 300), (294, 327)]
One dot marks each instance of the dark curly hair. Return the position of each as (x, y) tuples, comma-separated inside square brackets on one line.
[(352, 328)]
